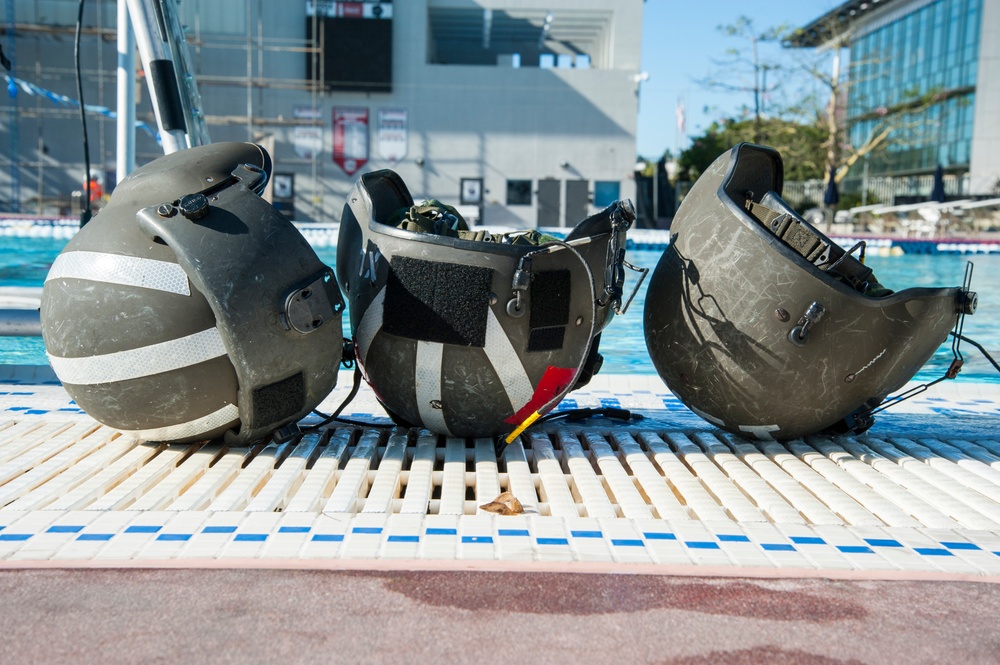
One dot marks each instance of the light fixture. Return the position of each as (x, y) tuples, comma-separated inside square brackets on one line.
[(487, 27), (546, 26)]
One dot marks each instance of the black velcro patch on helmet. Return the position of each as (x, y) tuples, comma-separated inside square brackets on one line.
[(279, 400), (546, 339), (550, 293), (431, 301)]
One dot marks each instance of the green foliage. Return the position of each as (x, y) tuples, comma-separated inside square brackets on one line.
[(801, 146), (806, 204)]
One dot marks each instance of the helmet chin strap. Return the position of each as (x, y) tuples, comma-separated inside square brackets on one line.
[(967, 305)]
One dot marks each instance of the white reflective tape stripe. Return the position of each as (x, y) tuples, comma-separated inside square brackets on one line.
[(507, 364), (430, 357), (762, 432), (214, 420), (143, 361), (124, 270), (370, 324)]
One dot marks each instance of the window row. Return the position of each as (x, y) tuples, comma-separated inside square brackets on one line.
[(522, 192)]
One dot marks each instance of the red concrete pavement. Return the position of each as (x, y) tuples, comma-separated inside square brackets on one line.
[(111, 616)]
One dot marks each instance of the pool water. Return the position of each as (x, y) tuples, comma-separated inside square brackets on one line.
[(25, 262)]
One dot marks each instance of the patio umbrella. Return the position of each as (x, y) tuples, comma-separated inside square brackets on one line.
[(831, 196), (937, 191)]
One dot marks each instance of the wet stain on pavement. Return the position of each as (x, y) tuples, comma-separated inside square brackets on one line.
[(769, 654), (562, 594)]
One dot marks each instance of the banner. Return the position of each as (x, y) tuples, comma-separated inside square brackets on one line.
[(307, 141), (392, 134), (350, 138), (350, 8)]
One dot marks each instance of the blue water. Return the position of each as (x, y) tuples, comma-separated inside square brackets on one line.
[(25, 261)]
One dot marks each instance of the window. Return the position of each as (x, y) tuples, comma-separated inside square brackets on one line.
[(519, 192), (221, 17), (606, 192)]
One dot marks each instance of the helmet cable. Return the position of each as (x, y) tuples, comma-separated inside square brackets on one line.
[(85, 213), (968, 305), (500, 443)]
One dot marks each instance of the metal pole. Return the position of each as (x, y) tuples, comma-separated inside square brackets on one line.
[(151, 38), (125, 162)]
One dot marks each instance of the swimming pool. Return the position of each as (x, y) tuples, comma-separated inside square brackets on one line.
[(25, 262)]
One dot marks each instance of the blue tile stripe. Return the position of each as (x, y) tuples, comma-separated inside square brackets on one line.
[(933, 551), (219, 529), (250, 537), (403, 539), (15, 536), (64, 528), (328, 537), (643, 539), (883, 542)]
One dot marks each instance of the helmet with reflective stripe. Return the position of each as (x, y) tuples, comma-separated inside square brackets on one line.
[(466, 333), (189, 308), (765, 327)]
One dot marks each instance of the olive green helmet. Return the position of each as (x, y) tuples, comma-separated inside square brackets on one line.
[(465, 333), (189, 308), (765, 327)]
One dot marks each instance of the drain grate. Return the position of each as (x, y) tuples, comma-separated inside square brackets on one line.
[(564, 472)]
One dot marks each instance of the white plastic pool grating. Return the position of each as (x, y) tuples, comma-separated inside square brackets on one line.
[(919, 495)]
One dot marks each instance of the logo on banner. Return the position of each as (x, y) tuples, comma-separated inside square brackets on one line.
[(392, 134), (350, 138)]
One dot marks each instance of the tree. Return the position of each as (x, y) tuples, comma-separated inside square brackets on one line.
[(746, 69), (800, 145), (811, 130)]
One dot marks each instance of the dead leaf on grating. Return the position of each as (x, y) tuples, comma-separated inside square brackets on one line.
[(505, 504)]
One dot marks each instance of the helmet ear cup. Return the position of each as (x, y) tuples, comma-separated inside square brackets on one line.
[(168, 317)]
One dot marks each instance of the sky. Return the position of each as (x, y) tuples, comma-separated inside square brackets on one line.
[(681, 44)]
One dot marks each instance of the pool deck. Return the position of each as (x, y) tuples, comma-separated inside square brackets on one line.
[(918, 496), (665, 541)]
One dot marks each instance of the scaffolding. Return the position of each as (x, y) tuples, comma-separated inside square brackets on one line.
[(54, 164)]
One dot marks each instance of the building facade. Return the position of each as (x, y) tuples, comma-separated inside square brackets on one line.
[(522, 112), (936, 61)]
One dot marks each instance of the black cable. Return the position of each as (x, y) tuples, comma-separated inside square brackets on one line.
[(500, 442), (980, 347), (582, 414), (85, 214)]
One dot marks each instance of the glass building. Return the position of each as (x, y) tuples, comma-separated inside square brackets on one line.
[(918, 65)]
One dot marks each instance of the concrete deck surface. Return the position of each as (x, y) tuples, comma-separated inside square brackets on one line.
[(296, 616)]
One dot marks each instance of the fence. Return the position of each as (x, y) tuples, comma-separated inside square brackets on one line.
[(890, 190)]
